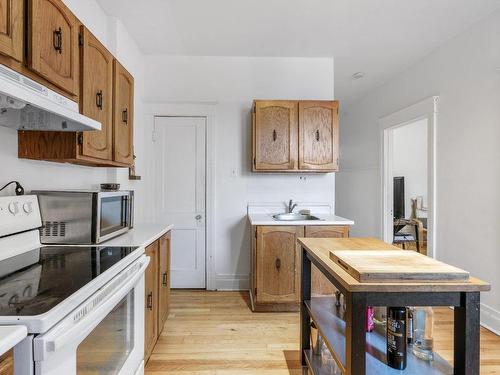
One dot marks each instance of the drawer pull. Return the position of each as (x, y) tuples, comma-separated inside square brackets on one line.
[(58, 40), (150, 301), (275, 135), (278, 263), (164, 281), (317, 135)]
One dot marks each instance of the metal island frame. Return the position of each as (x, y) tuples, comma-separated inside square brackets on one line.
[(357, 352)]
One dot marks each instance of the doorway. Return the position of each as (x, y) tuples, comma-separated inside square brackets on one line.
[(180, 174), (408, 178)]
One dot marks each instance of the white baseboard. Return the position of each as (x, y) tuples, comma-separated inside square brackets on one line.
[(232, 282), (490, 319)]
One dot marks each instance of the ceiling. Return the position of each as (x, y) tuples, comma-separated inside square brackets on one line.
[(378, 37)]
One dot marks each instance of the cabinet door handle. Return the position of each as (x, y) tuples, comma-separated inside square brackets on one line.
[(275, 135), (278, 263), (98, 99), (125, 116), (317, 135), (150, 301), (164, 281), (58, 40)]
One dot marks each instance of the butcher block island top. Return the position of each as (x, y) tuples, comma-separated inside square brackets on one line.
[(377, 263)]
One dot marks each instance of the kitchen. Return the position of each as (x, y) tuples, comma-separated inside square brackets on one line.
[(219, 86)]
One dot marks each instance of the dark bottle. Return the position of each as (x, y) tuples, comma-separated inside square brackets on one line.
[(396, 337), (409, 325)]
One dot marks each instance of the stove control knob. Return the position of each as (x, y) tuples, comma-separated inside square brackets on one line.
[(28, 208), (14, 208)]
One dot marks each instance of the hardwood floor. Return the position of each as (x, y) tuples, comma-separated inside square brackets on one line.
[(215, 333)]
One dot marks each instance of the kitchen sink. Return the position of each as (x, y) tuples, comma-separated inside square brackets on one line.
[(294, 217)]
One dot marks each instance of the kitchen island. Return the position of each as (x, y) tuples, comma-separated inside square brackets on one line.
[(356, 352)]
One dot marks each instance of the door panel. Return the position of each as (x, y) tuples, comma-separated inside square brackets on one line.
[(53, 50), (320, 284), (97, 96), (275, 135), (151, 300), (318, 135), (123, 115), (164, 280), (11, 28), (180, 183), (277, 263)]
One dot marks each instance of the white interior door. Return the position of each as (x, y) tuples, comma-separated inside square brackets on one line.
[(180, 182)]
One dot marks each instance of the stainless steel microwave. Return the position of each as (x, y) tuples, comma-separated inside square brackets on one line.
[(84, 217)]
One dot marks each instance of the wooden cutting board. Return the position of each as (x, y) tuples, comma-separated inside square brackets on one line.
[(369, 266)]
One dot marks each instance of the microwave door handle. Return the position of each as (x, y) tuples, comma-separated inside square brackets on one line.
[(59, 337)]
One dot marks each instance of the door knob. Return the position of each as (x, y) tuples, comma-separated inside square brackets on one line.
[(198, 217)]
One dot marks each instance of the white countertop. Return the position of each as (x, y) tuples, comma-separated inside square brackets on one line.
[(325, 219), (141, 234), (10, 336)]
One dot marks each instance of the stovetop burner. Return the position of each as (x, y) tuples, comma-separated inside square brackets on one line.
[(34, 282)]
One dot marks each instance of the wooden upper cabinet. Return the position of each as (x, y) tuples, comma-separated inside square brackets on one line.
[(151, 302), (53, 43), (123, 115), (292, 136), (277, 262), (275, 135), (318, 135), (96, 98), (12, 28), (164, 281)]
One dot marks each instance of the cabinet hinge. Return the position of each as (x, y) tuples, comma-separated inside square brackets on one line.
[(80, 39), (80, 138), (254, 162), (255, 232)]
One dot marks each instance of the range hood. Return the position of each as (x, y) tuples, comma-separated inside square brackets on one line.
[(28, 105)]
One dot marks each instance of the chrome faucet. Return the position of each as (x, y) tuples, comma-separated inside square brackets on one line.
[(291, 206)]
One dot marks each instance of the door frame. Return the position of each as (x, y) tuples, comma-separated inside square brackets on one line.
[(425, 109), (206, 111)]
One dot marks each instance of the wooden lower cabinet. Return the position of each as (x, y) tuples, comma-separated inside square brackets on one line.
[(164, 282), (7, 363), (157, 291), (151, 300), (275, 268), (319, 283), (276, 258)]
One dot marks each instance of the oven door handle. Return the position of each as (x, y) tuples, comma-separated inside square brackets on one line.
[(75, 327)]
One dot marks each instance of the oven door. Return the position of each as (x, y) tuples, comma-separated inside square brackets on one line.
[(114, 214), (105, 335)]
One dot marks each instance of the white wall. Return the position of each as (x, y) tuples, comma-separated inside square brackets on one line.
[(409, 159), (46, 175), (231, 84), (465, 73)]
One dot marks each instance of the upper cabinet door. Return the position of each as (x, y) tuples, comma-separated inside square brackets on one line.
[(275, 135), (11, 28), (318, 135), (123, 115), (97, 96), (53, 43)]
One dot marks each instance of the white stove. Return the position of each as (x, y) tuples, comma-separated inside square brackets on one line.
[(83, 306)]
